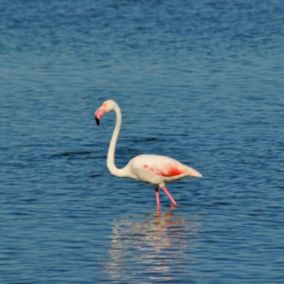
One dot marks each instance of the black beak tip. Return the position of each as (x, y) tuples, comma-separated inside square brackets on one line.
[(97, 121)]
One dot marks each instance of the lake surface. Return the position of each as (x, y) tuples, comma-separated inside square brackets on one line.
[(200, 81)]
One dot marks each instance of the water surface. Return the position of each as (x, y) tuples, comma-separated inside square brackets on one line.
[(201, 82)]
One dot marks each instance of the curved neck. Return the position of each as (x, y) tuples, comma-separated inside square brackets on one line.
[(111, 150)]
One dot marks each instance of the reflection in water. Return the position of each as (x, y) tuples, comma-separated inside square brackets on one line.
[(149, 249)]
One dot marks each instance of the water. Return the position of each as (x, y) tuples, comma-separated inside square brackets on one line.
[(201, 82)]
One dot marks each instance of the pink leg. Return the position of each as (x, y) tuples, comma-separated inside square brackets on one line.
[(158, 198), (169, 195)]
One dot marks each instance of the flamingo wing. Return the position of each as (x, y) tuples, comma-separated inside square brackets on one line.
[(157, 169)]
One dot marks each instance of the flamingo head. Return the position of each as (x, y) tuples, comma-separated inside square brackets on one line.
[(106, 107)]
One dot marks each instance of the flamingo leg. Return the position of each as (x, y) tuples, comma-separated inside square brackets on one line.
[(169, 195), (157, 189)]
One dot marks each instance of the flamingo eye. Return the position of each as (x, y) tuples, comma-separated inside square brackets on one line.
[(106, 106)]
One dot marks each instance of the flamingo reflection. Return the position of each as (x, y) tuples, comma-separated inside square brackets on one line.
[(155, 247)]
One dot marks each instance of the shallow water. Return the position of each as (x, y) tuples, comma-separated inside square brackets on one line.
[(201, 82)]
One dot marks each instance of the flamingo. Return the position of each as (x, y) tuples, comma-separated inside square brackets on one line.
[(149, 168)]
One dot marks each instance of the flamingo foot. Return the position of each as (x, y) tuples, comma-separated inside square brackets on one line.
[(158, 199), (173, 207), (169, 195)]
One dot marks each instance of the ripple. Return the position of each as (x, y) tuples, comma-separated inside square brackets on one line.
[(196, 80)]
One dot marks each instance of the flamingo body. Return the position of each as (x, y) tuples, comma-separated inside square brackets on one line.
[(157, 169), (153, 169)]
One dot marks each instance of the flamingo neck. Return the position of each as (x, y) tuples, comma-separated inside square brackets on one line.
[(111, 150)]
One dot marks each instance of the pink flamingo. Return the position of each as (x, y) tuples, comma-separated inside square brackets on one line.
[(153, 169)]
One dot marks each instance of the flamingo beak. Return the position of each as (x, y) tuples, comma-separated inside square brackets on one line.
[(97, 121), (99, 114)]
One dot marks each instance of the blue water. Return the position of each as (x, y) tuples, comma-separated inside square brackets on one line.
[(201, 81)]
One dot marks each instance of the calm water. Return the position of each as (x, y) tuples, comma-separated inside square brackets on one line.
[(201, 82)]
